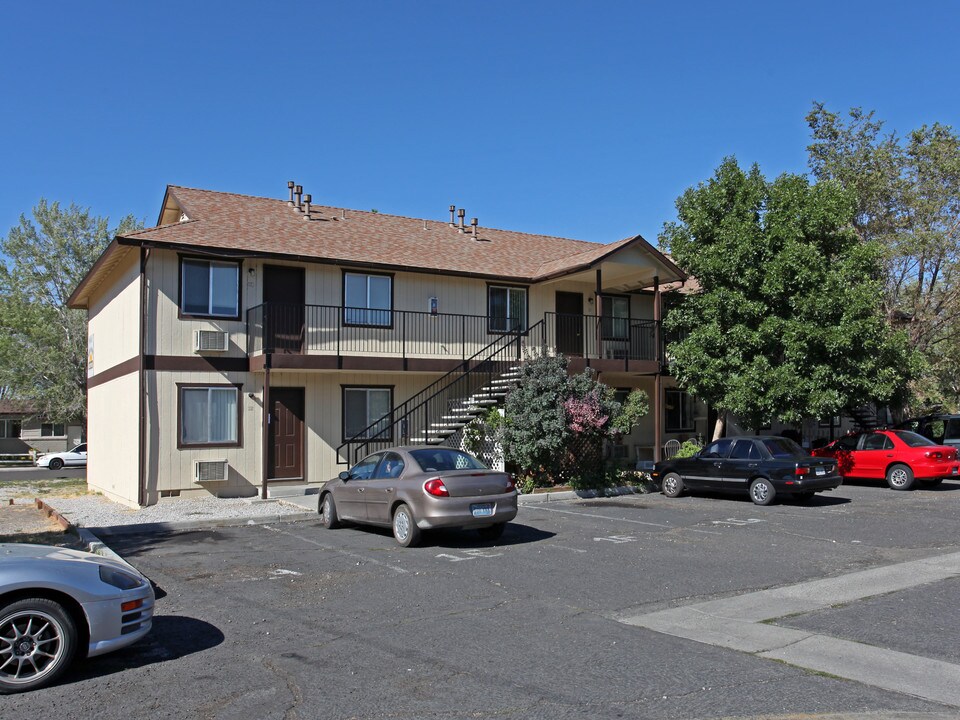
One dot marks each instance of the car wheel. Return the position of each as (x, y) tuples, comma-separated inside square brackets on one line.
[(900, 477), (672, 485), (56, 464), (405, 528), (37, 642), (492, 532), (762, 492), (328, 512)]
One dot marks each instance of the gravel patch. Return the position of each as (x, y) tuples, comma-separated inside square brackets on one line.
[(95, 511)]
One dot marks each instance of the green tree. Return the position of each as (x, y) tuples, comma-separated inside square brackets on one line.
[(907, 195), (787, 323), (43, 348)]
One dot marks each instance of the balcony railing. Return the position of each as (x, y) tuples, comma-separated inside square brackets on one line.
[(605, 338), (342, 331)]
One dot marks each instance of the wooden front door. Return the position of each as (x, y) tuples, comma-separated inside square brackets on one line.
[(286, 461), (283, 293), (570, 323)]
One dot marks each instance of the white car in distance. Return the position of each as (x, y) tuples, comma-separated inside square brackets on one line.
[(71, 458)]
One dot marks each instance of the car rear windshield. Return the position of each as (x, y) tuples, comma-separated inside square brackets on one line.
[(435, 460), (784, 448), (912, 439)]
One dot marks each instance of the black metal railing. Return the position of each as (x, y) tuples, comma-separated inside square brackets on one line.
[(597, 337), (432, 414), (335, 330)]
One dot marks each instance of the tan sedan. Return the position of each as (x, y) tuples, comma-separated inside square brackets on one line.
[(418, 488)]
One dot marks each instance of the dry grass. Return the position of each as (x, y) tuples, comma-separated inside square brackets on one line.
[(62, 487)]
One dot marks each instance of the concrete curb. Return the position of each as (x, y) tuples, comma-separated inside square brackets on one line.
[(535, 498), (160, 527)]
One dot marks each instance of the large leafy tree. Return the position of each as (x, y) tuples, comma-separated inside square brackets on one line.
[(907, 195), (787, 323), (43, 346)]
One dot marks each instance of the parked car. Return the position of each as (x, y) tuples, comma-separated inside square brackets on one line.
[(764, 466), (73, 458), (416, 488), (899, 456), (57, 604)]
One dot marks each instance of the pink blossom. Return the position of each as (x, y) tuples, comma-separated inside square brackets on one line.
[(585, 414)]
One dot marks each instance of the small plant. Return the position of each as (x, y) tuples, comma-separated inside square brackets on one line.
[(688, 448)]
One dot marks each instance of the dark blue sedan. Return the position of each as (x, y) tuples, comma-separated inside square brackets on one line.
[(766, 467)]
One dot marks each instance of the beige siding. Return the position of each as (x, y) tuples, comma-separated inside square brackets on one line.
[(114, 317), (113, 440), (171, 469)]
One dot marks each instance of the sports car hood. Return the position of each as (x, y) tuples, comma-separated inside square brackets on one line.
[(12, 552)]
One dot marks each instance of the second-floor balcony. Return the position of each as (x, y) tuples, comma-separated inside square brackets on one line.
[(329, 330)]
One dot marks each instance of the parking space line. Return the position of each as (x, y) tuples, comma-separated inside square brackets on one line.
[(604, 517), (354, 556)]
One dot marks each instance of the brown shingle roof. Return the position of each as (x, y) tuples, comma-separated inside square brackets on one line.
[(245, 224)]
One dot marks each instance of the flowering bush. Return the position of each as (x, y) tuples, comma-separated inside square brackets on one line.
[(586, 414)]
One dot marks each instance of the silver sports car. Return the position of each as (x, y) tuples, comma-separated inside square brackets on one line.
[(417, 488), (53, 599)]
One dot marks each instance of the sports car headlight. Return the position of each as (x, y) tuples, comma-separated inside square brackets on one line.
[(119, 579)]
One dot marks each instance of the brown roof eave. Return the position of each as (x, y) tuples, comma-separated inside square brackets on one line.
[(681, 275)]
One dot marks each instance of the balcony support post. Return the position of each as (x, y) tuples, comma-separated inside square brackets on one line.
[(657, 381), (265, 430)]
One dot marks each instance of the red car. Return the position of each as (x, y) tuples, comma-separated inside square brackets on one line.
[(901, 457)]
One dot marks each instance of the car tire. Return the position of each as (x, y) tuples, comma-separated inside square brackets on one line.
[(328, 512), (405, 529), (55, 464), (762, 492), (492, 532), (900, 477), (672, 485), (42, 633)]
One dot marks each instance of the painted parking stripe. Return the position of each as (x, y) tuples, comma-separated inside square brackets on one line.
[(603, 517), (341, 551)]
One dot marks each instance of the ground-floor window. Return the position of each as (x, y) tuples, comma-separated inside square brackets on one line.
[(9, 428), (679, 410), (366, 412), (209, 415), (53, 429)]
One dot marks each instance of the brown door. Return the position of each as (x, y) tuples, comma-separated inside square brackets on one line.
[(286, 433), (570, 323), (283, 293)]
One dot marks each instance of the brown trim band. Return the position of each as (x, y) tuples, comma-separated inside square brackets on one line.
[(198, 363), (117, 371)]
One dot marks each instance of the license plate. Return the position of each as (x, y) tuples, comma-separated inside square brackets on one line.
[(955, 470), (482, 510), (821, 471)]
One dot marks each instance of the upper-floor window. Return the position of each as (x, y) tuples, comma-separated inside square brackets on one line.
[(616, 317), (209, 415), (210, 288), (507, 308), (679, 410), (367, 299), (53, 429)]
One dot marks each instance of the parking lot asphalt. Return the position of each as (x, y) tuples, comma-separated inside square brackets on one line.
[(296, 621)]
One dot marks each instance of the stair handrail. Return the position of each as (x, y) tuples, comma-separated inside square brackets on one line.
[(440, 385)]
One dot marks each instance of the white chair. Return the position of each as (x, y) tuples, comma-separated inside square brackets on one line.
[(670, 448)]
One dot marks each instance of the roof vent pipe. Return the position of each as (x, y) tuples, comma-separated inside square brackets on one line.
[(453, 210), (473, 227), (306, 203), (298, 191), (461, 213), (290, 184)]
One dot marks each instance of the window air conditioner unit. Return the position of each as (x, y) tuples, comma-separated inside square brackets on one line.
[(210, 341), (209, 470)]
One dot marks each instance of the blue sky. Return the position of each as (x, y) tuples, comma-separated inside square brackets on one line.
[(579, 119)]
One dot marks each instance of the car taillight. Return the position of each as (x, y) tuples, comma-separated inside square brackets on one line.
[(802, 470), (435, 487), (935, 454), (511, 483)]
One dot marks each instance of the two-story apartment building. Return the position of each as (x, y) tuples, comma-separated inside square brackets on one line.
[(246, 341)]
